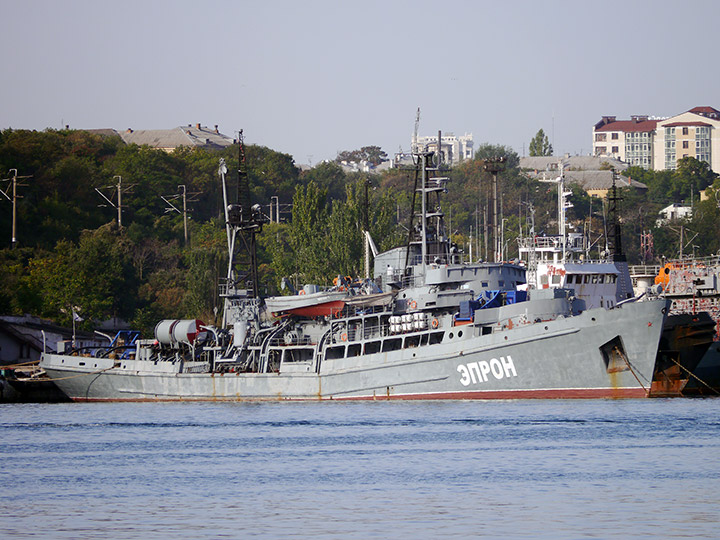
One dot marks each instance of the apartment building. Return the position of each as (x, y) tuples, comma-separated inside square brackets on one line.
[(657, 143), (631, 141), (695, 133)]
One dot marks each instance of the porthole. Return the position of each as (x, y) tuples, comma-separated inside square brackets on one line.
[(460, 333), (451, 335)]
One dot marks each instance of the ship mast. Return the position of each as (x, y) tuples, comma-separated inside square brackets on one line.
[(243, 221), (563, 205), (428, 237)]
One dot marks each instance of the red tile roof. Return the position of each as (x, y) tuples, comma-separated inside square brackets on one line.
[(704, 110), (629, 125), (676, 124)]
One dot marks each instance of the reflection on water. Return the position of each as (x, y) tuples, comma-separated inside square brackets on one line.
[(523, 469)]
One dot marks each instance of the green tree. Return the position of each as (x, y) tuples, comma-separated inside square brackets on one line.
[(372, 154), (693, 175), (491, 151), (540, 145), (94, 275), (308, 233), (329, 176)]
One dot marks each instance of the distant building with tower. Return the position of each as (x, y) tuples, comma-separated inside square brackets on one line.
[(454, 149)]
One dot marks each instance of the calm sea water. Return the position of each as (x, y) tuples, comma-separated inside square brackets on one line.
[(519, 469)]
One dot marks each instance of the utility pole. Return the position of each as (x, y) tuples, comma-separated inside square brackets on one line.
[(276, 200), (184, 196), (414, 147), (494, 166), (173, 208), (366, 227), (502, 239), (118, 206), (14, 199)]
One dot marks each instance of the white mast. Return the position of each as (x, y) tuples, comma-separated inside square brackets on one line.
[(563, 204)]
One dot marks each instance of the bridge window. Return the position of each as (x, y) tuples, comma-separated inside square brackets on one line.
[(372, 347), (412, 341), (393, 344), (335, 352)]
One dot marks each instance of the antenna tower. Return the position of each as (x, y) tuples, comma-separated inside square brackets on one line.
[(245, 221)]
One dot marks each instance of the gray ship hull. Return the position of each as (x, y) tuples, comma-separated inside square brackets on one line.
[(569, 357)]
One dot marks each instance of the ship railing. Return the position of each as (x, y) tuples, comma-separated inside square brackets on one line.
[(230, 288), (300, 341), (352, 311), (429, 259), (539, 242), (644, 270), (713, 260), (342, 334), (199, 367)]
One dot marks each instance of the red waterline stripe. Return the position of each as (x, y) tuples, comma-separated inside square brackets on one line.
[(563, 393)]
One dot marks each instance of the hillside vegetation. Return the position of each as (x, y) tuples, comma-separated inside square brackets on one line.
[(71, 252)]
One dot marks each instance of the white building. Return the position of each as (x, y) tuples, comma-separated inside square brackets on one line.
[(695, 133), (454, 149), (673, 212)]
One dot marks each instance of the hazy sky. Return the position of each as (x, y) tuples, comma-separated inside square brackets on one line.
[(311, 78)]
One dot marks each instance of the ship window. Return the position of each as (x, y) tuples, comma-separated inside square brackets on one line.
[(501, 283), (601, 278), (424, 339), (354, 350), (297, 355), (394, 344), (543, 280), (372, 347), (556, 280), (436, 337), (484, 284), (335, 352), (412, 341), (594, 278), (587, 278)]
